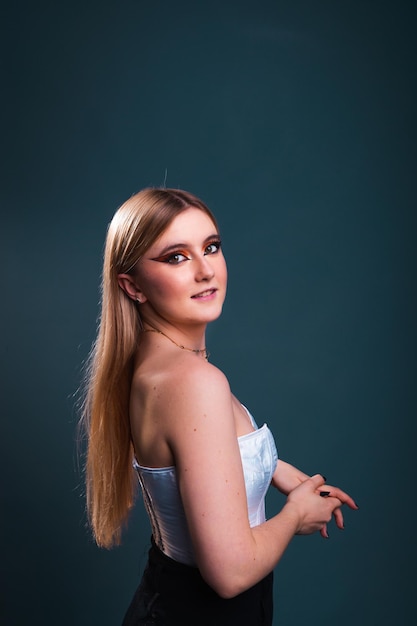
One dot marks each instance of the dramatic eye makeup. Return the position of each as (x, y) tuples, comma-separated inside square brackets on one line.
[(213, 246), (178, 253), (173, 258)]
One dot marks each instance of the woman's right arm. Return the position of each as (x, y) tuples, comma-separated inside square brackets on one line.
[(200, 430)]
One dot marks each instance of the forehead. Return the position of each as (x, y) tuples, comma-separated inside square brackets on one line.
[(191, 224)]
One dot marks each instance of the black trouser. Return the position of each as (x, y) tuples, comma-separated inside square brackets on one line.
[(174, 594)]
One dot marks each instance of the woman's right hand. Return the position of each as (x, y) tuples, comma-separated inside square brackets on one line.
[(315, 511)]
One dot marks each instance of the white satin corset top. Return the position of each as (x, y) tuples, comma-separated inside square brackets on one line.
[(163, 501)]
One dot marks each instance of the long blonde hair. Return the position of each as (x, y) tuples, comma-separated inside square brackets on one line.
[(110, 481)]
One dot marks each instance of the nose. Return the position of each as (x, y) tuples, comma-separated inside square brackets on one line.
[(204, 269)]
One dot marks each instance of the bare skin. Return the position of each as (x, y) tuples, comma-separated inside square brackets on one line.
[(183, 414)]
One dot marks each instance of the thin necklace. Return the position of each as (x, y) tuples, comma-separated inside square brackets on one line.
[(202, 351)]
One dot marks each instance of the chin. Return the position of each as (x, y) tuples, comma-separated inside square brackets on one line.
[(215, 315)]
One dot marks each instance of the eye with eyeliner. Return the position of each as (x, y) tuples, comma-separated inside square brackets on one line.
[(215, 243), (173, 258), (179, 256)]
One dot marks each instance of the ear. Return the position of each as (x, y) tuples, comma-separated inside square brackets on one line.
[(131, 289)]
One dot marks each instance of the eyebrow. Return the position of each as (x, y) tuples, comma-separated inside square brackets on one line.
[(181, 246)]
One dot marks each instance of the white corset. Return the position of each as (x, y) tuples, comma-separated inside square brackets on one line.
[(163, 501)]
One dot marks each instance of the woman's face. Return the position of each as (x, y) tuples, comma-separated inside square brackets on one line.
[(182, 277)]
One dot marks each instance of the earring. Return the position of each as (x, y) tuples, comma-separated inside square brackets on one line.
[(138, 300)]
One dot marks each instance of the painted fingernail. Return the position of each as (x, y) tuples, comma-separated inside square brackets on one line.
[(324, 494)]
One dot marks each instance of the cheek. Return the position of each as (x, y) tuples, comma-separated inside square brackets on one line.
[(161, 286)]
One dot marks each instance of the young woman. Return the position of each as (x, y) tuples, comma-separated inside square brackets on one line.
[(158, 412)]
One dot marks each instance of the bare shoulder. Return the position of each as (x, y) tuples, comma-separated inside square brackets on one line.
[(179, 376), (182, 386), (171, 401), (200, 376), (189, 395), (196, 386)]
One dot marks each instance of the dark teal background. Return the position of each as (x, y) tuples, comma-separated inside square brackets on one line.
[(295, 122)]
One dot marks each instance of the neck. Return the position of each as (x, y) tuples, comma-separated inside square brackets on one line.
[(182, 345)]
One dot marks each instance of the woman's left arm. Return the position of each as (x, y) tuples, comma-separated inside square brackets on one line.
[(287, 477)]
